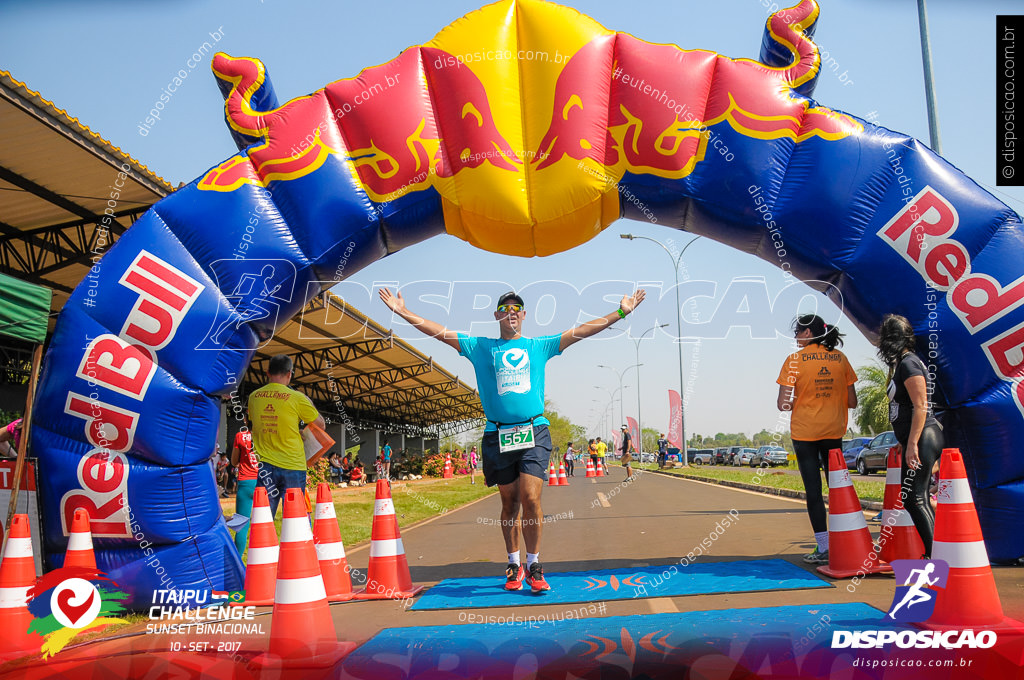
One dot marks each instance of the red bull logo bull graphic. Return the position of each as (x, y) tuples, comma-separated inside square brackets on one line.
[(376, 123), (658, 119), (443, 110)]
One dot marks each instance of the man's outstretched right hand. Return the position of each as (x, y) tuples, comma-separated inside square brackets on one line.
[(394, 302)]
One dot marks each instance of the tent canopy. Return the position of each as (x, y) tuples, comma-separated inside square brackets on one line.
[(24, 309)]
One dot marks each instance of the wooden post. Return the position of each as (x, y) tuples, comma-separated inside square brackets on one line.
[(26, 432)]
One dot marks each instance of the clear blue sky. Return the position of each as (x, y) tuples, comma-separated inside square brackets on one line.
[(107, 63)]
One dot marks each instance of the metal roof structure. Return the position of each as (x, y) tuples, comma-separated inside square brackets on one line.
[(67, 194), (354, 369), (58, 180)]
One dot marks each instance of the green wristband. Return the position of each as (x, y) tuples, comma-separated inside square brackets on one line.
[(622, 314)]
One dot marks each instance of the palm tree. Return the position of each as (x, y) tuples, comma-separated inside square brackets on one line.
[(872, 413)]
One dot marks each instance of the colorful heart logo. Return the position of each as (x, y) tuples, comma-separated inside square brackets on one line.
[(74, 612)]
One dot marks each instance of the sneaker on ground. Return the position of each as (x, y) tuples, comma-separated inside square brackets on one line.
[(513, 576), (536, 578), (817, 557)]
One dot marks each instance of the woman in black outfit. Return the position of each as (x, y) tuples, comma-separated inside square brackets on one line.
[(910, 412)]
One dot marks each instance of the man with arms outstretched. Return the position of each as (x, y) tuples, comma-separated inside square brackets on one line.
[(516, 445)]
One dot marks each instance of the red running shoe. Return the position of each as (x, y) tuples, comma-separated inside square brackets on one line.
[(513, 576), (536, 578)]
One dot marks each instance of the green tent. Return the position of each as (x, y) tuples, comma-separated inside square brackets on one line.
[(24, 309)]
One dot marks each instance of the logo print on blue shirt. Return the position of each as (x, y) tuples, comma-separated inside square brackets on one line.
[(513, 374)]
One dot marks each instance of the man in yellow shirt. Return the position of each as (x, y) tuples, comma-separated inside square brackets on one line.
[(602, 448), (275, 411)]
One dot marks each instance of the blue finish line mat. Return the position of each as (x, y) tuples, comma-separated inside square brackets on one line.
[(703, 578), (774, 642)]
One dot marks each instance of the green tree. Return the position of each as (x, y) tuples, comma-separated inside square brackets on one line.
[(562, 430), (872, 414), (650, 439)]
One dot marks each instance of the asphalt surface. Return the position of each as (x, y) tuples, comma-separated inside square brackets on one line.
[(604, 523)]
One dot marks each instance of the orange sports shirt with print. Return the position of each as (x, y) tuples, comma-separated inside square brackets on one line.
[(821, 378)]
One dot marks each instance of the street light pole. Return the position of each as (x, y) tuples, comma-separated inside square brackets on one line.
[(611, 402), (679, 332), (639, 420), (620, 375)]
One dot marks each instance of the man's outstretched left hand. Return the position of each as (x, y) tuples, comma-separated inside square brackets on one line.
[(629, 302)]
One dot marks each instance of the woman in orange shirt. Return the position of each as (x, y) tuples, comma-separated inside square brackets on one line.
[(816, 383)]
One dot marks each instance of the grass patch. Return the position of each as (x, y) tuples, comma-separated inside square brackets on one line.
[(870, 488), (415, 501)]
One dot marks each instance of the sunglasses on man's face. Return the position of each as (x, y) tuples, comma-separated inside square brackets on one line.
[(510, 308)]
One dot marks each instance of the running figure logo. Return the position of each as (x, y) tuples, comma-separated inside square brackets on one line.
[(256, 299), (914, 601)]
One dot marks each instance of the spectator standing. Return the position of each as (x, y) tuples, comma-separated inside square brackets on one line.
[(816, 383), (602, 449), (570, 456), (662, 450), (472, 465), (385, 460), (222, 472), (243, 456), (275, 411), (626, 450), (910, 412)]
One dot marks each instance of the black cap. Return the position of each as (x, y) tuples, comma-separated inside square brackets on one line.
[(511, 295)]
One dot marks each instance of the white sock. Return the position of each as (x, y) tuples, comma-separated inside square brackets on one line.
[(822, 538), (531, 558), (513, 558)]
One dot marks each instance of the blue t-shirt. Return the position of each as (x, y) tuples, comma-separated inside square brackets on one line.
[(510, 376), (387, 451)]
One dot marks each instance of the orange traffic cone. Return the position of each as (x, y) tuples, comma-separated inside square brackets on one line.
[(17, 576), (899, 539), (563, 479), (387, 575), (261, 563), (552, 475), (970, 597), (599, 468), (850, 551), (80, 553), (330, 551), (301, 629), (447, 466), (590, 468)]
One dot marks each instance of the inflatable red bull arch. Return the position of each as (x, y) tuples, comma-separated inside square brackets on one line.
[(524, 128)]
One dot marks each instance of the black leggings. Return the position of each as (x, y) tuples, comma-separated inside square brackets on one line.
[(812, 457), (915, 483)]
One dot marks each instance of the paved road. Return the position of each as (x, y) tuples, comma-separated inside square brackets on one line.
[(653, 521), (595, 524)]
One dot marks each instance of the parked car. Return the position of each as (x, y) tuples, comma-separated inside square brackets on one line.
[(874, 456), (721, 455), (762, 451), (777, 457), (852, 447), (731, 453), (702, 456), (745, 456)]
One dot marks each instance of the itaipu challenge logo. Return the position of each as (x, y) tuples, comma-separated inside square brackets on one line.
[(72, 600)]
